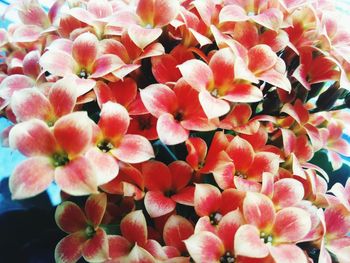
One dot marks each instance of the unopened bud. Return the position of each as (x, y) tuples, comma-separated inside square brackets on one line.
[(327, 99)]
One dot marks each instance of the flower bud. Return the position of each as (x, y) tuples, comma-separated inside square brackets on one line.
[(327, 99)]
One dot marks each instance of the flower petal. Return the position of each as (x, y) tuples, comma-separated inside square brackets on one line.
[(58, 63), (157, 204), (142, 37), (96, 248), (31, 177), (133, 149), (85, 48), (114, 121), (157, 176), (138, 254), (105, 64), (243, 93), (222, 66), (73, 133), (287, 192), (177, 229), (196, 73), (291, 225), (228, 227), (205, 247), (32, 138), (134, 227), (77, 177), (207, 199), (170, 131), (63, 96), (258, 210), (106, 165), (292, 252), (164, 12), (70, 218), (241, 152), (118, 246), (248, 243), (212, 106), (30, 103), (95, 208), (69, 249), (159, 99)]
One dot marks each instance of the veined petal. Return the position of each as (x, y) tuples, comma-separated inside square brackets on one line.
[(258, 210), (241, 152), (228, 227), (243, 93), (293, 253), (171, 131), (272, 18), (58, 63), (100, 8), (337, 222), (181, 173), (63, 96), (118, 246), (142, 37), (31, 177), (291, 225), (13, 83), (164, 12), (114, 120), (95, 208), (85, 48), (205, 247), (197, 74), (159, 99), (106, 64), (213, 107), (222, 66), (32, 138), (157, 204), (133, 149), (134, 227), (177, 229), (138, 254), (232, 13), (69, 217), (69, 249), (261, 58), (78, 177), (248, 243), (277, 79), (287, 192), (106, 166), (30, 103), (96, 248), (207, 199), (73, 133)]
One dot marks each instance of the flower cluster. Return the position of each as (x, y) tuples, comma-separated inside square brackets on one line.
[(191, 126)]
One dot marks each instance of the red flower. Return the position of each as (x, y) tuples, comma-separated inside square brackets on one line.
[(86, 238), (166, 186)]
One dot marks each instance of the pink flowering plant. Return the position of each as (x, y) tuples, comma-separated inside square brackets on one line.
[(188, 128)]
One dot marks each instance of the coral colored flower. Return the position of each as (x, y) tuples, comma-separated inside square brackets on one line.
[(167, 189), (53, 154), (215, 161), (269, 232), (335, 223), (86, 238), (178, 111), (112, 143), (248, 164), (258, 12), (81, 58), (342, 193), (145, 26), (129, 246), (211, 205), (216, 83), (205, 246), (31, 103)]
